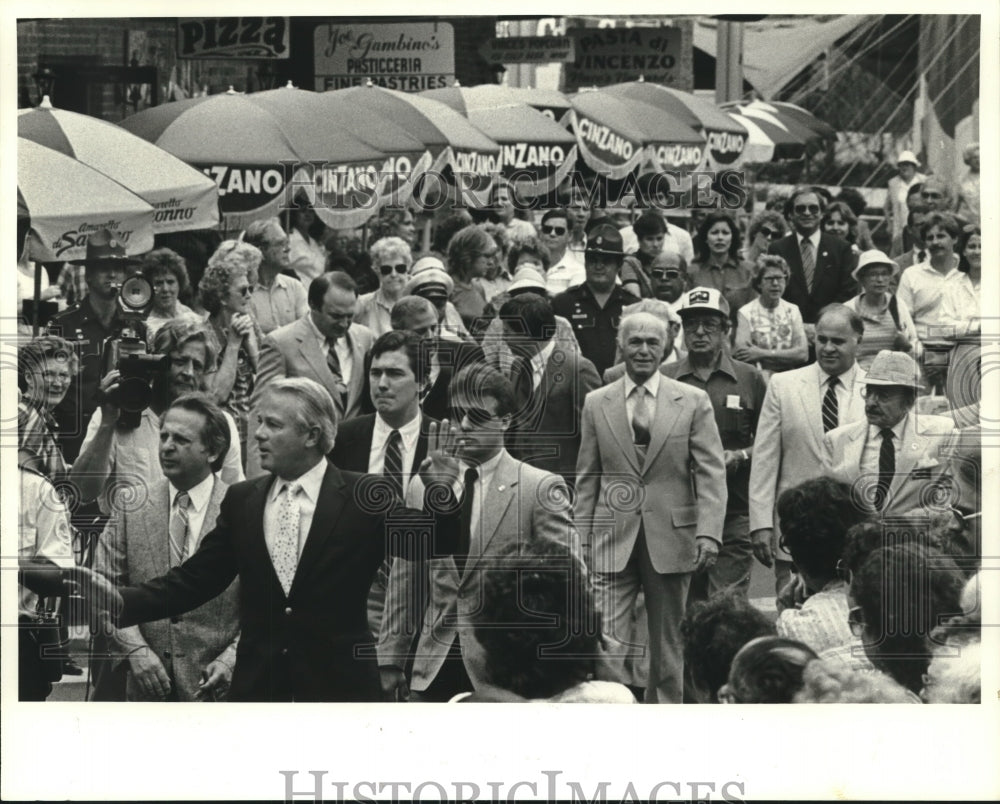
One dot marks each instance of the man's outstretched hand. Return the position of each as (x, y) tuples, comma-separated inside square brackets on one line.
[(101, 599)]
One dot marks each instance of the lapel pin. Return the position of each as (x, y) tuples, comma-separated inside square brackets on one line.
[(501, 487), (824, 253)]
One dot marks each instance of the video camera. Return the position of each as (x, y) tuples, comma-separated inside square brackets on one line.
[(128, 352)]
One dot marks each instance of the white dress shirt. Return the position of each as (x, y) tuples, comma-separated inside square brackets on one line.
[(652, 386), (960, 306), (675, 241), (873, 445), (486, 472), (282, 303), (409, 433), (843, 390), (307, 257), (311, 482), (343, 347), (200, 495), (538, 362), (569, 272), (922, 289)]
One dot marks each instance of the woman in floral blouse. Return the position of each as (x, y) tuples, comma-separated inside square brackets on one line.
[(769, 330)]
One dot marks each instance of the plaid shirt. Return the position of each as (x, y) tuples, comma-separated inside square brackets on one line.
[(34, 434), (73, 283)]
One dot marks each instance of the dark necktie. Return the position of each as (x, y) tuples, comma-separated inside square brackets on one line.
[(831, 414), (465, 520), (333, 361), (393, 466), (808, 262), (886, 468)]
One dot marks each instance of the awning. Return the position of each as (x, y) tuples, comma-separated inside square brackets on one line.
[(776, 50)]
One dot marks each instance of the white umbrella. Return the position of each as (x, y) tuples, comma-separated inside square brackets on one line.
[(63, 202), (183, 197)]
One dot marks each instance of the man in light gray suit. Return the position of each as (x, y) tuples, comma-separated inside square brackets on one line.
[(799, 408), (185, 658), (651, 500), (324, 345)]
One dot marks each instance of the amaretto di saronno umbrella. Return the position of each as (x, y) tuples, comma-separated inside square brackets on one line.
[(63, 202), (183, 198), (254, 149)]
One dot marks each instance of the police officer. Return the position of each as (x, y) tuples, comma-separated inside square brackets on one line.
[(87, 325), (594, 308)]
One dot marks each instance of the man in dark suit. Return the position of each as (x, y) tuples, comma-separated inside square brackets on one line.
[(392, 442), (820, 264), (550, 383), (443, 356), (305, 546)]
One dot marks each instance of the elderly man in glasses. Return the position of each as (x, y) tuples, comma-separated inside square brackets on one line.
[(892, 458), (820, 263)]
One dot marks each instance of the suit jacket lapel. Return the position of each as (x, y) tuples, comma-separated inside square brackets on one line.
[(812, 405), (667, 411), (855, 446), (212, 509), (911, 448), (617, 418), (313, 354), (328, 507), (498, 498), (257, 544), (154, 519)]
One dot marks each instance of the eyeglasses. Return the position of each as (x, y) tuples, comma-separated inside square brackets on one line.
[(856, 621), (806, 209), (879, 392), (402, 268), (247, 291), (774, 280), (56, 376), (477, 416), (710, 325), (557, 231), (931, 194), (771, 234), (660, 273)]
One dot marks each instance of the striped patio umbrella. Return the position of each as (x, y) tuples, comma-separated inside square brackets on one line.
[(63, 202), (184, 198)]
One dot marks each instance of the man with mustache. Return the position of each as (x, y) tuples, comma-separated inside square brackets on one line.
[(891, 457)]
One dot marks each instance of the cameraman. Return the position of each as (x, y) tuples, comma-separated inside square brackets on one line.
[(87, 325), (114, 457)]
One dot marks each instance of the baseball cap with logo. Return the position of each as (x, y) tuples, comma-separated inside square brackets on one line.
[(605, 239), (105, 246), (702, 299)]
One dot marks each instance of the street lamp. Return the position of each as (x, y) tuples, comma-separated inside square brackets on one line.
[(45, 80)]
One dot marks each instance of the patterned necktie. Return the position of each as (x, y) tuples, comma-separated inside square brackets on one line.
[(465, 520), (886, 467), (285, 549), (831, 414), (392, 468), (808, 263), (640, 422), (179, 528), (333, 360)]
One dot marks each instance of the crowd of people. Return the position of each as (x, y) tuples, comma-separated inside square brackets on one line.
[(516, 457)]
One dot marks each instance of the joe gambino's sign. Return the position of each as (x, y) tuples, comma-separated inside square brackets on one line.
[(410, 57)]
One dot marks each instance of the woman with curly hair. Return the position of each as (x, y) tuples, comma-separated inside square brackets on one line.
[(767, 669), (225, 292), (765, 228), (391, 260), (46, 366), (165, 270), (536, 633), (717, 263), (769, 330)]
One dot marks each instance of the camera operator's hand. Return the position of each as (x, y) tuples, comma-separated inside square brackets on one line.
[(148, 676), (108, 388)]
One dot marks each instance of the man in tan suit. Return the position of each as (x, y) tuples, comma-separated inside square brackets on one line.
[(504, 502), (324, 345), (891, 457), (800, 406), (183, 658), (651, 500)]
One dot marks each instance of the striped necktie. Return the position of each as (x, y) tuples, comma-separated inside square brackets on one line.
[(808, 262), (178, 528), (392, 467), (831, 414)]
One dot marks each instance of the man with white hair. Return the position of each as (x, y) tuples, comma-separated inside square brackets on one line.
[(651, 500), (305, 550)]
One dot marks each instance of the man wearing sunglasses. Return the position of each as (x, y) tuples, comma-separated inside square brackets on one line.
[(820, 263), (565, 268), (502, 502), (892, 457)]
